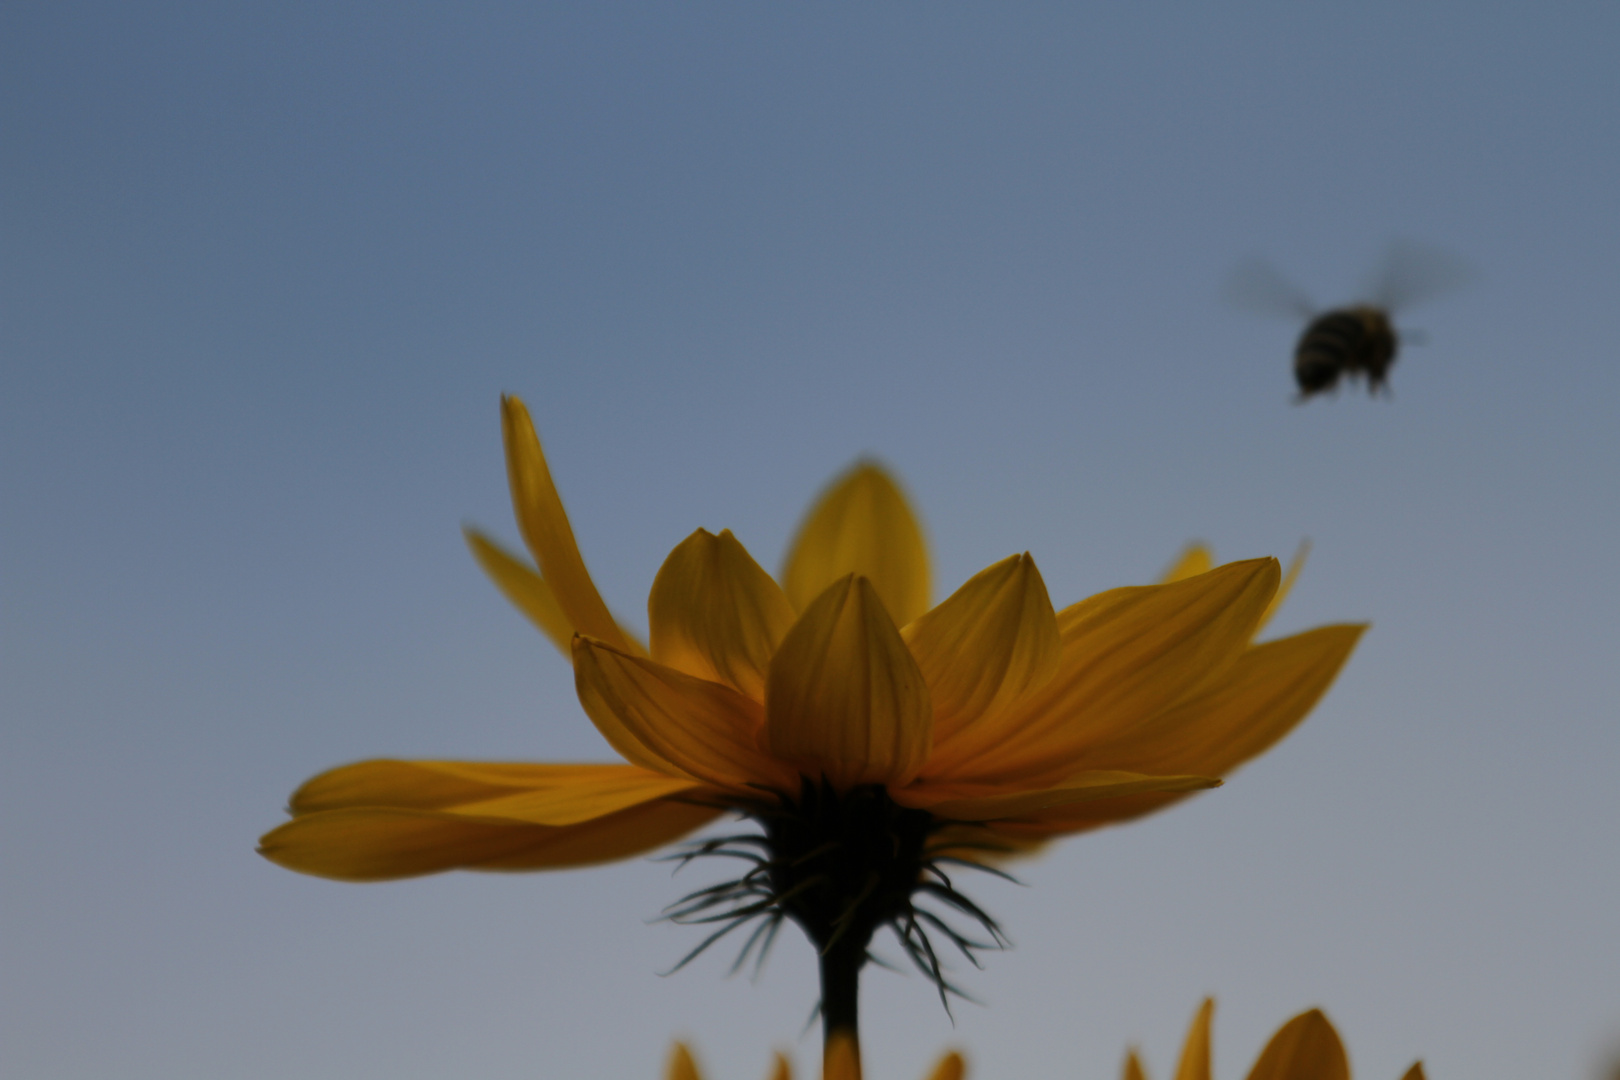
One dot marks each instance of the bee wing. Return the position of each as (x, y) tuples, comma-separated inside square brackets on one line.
[(1255, 285), (1412, 273)]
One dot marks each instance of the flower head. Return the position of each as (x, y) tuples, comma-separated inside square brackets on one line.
[(874, 737), (1305, 1048)]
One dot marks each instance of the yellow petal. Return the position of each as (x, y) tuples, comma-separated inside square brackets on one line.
[(844, 696), (379, 844), (576, 803), (1263, 696), (441, 785), (1127, 654), (1195, 1052), (526, 589), (861, 525), (950, 1067), (716, 614), (681, 1066), (1194, 559), (780, 1069), (1133, 1067), (990, 802), (992, 641), (1305, 1048), (841, 1060), (1415, 1072), (1295, 565), (666, 720), (1197, 559), (1258, 700), (545, 529)]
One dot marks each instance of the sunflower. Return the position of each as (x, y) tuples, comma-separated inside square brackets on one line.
[(1305, 1048), (876, 740), (840, 1063)]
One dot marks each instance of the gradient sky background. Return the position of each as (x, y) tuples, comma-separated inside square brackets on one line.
[(267, 268)]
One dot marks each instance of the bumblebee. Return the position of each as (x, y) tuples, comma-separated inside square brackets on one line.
[(1356, 342)]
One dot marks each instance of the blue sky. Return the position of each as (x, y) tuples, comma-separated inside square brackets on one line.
[(266, 272)]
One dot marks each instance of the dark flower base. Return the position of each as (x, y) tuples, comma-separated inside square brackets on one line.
[(841, 865)]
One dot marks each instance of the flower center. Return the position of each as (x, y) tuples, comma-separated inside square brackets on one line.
[(841, 864), (845, 863)]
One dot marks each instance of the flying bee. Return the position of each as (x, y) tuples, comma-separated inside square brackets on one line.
[(1354, 342)]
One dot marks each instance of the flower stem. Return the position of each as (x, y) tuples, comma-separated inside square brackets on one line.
[(840, 988)]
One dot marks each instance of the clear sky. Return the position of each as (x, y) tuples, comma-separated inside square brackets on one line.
[(265, 270)]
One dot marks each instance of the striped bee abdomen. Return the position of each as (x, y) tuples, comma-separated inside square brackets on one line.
[(1350, 342)]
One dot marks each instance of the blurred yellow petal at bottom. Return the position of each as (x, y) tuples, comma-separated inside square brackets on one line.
[(1305, 1048)]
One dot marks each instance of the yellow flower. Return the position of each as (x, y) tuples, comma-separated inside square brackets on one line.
[(1305, 1048), (841, 1063), (989, 707), (872, 735)]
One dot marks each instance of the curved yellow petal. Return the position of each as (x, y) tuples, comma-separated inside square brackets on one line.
[(1133, 1067), (1195, 559), (681, 1066), (545, 529), (1195, 1052), (523, 587), (1263, 696), (441, 785), (1305, 1048), (576, 803), (384, 843), (716, 614), (1415, 1072), (667, 720), (1258, 700), (780, 1069), (1127, 654), (992, 802), (844, 696), (1295, 565), (841, 1059), (991, 642), (861, 525), (950, 1067)]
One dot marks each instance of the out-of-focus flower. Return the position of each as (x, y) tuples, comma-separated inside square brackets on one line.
[(841, 1062), (682, 1066), (1305, 1048), (874, 737)]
